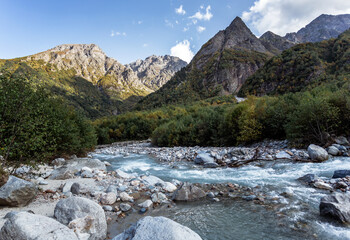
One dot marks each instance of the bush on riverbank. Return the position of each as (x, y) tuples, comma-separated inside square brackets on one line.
[(35, 127)]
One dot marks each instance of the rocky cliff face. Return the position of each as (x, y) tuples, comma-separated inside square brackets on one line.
[(322, 28), (219, 68), (118, 80), (281, 43), (155, 71)]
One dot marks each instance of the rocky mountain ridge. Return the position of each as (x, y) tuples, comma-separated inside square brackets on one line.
[(119, 81)]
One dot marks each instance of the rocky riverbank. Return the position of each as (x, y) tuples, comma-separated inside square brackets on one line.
[(62, 190)]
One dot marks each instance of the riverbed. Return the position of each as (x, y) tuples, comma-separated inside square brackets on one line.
[(294, 215)]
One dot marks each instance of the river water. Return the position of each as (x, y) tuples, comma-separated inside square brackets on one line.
[(294, 217)]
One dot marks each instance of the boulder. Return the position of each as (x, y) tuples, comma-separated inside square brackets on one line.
[(204, 158), (146, 204), (169, 187), (333, 151), (283, 155), (17, 192), (70, 168), (73, 208), (152, 181), (341, 173), (27, 226), (122, 174), (125, 197), (157, 228), (108, 198), (75, 188), (336, 206), (159, 197), (124, 207), (58, 162), (341, 140), (317, 153), (188, 192), (308, 178), (322, 185)]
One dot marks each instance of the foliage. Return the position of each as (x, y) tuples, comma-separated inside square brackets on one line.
[(35, 127)]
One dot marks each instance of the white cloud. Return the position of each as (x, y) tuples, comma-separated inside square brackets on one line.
[(286, 16), (186, 29), (200, 29), (203, 16), (182, 50), (113, 33), (180, 10)]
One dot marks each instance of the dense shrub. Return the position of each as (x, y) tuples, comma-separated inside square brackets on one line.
[(35, 127)]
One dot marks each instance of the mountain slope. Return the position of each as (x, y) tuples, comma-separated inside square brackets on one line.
[(219, 68), (303, 66), (92, 81), (281, 43), (322, 28)]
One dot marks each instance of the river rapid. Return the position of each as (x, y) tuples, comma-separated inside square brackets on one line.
[(295, 214)]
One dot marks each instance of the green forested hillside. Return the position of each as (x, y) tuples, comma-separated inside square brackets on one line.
[(303, 67), (77, 91)]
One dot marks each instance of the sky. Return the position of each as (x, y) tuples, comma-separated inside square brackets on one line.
[(135, 29)]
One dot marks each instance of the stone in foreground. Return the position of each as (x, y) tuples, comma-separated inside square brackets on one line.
[(317, 153), (17, 192), (27, 226), (157, 228), (73, 208), (336, 206)]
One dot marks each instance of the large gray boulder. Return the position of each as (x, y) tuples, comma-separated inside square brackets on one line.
[(341, 173), (204, 158), (74, 208), (157, 228), (188, 192), (336, 206), (27, 226), (75, 165), (17, 192), (317, 153)]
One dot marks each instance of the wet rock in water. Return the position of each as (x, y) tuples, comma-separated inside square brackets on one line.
[(125, 207), (249, 198), (333, 151), (108, 198), (317, 153), (188, 192), (125, 197), (75, 188), (159, 198), (73, 208), (157, 228), (322, 185), (336, 206), (204, 158), (341, 173), (17, 192), (341, 140), (341, 185), (27, 226), (169, 187), (146, 204), (308, 178), (58, 162)]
